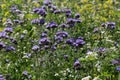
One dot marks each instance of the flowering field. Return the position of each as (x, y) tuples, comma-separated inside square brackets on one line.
[(59, 40)]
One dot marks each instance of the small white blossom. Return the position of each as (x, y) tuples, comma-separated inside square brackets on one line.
[(86, 78)]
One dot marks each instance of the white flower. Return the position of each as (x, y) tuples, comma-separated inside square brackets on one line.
[(56, 74), (86, 78), (91, 54)]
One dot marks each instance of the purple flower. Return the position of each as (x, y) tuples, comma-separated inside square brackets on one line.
[(63, 25), (115, 61), (16, 21), (41, 21), (76, 65), (65, 56), (13, 41), (52, 25), (118, 68), (1, 77), (44, 41), (103, 24), (8, 29), (25, 73), (47, 2), (70, 41), (101, 49), (58, 39), (110, 25), (35, 48), (10, 48), (68, 12), (57, 11), (3, 35), (44, 34), (62, 34), (96, 30), (38, 21), (53, 48), (76, 42), (77, 20), (70, 20), (77, 16), (80, 42), (2, 45), (35, 10), (34, 21), (40, 11)]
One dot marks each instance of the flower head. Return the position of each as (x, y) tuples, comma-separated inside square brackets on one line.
[(77, 16), (118, 68), (52, 25), (2, 45), (115, 61), (62, 34), (110, 25), (44, 41), (10, 48), (77, 65), (35, 48), (25, 73), (3, 35), (8, 29)]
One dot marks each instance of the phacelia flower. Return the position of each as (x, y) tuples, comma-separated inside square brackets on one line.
[(65, 57), (68, 12), (38, 21), (77, 65), (1, 77), (70, 41), (103, 24), (52, 25), (10, 48), (25, 73), (3, 35), (44, 34), (101, 49), (75, 42), (58, 38), (40, 11), (118, 68), (8, 29), (77, 16), (44, 41), (13, 41), (2, 45), (96, 30), (115, 61), (53, 48), (57, 11), (62, 34), (35, 48), (110, 25), (80, 42), (47, 2), (63, 25)]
